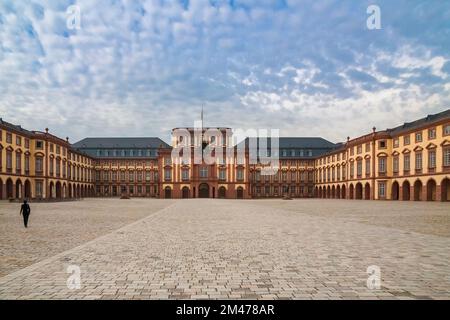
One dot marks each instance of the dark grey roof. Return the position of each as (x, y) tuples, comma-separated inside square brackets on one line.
[(311, 146), (122, 143), (298, 142), (419, 123), (15, 127)]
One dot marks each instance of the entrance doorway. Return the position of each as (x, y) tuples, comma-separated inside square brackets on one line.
[(240, 193), (203, 190), (185, 192)]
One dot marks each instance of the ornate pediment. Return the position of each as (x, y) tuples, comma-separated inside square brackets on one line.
[(445, 143)]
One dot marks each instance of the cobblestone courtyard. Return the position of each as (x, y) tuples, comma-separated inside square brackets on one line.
[(193, 249)]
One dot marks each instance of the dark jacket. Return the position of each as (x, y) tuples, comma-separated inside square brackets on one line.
[(25, 209)]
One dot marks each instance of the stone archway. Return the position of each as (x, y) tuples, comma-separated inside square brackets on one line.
[(167, 193), (58, 190), (240, 193), (445, 190), (406, 191), (367, 191), (395, 192), (351, 193), (9, 189), (338, 192), (333, 192), (185, 193), (343, 192), (358, 191), (27, 189), (19, 194), (51, 190), (1, 189), (417, 190), (431, 190), (203, 190), (222, 192)]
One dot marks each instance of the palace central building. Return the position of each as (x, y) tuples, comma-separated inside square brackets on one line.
[(409, 162)]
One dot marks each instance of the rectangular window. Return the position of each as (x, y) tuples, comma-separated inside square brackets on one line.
[(396, 142), (431, 133), (352, 169), (382, 165), (406, 140), (18, 141), (359, 149), (167, 174), (8, 137), (431, 159), (9, 160), (368, 147), (406, 162), (58, 167), (446, 153), (367, 167), (222, 174), (27, 163), (419, 136), (446, 130), (51, 167), (18, 162), (240, 174), (38, 165), (204, 172), (395, 164), (382, 144), (185, 174), (382, 189), (419, 161), (131, 176), (359, 168)]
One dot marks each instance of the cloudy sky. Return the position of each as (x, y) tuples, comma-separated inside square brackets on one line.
[(307, 67)]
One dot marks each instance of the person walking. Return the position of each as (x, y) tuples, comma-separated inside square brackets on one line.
[(25, 211)]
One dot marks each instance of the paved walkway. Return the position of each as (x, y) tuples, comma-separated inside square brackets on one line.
[(198, 249)]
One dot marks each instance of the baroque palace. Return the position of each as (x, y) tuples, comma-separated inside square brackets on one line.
[(409, 162)]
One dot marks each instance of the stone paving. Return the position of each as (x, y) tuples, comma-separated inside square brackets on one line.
[(265, 249), (56, 227)]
